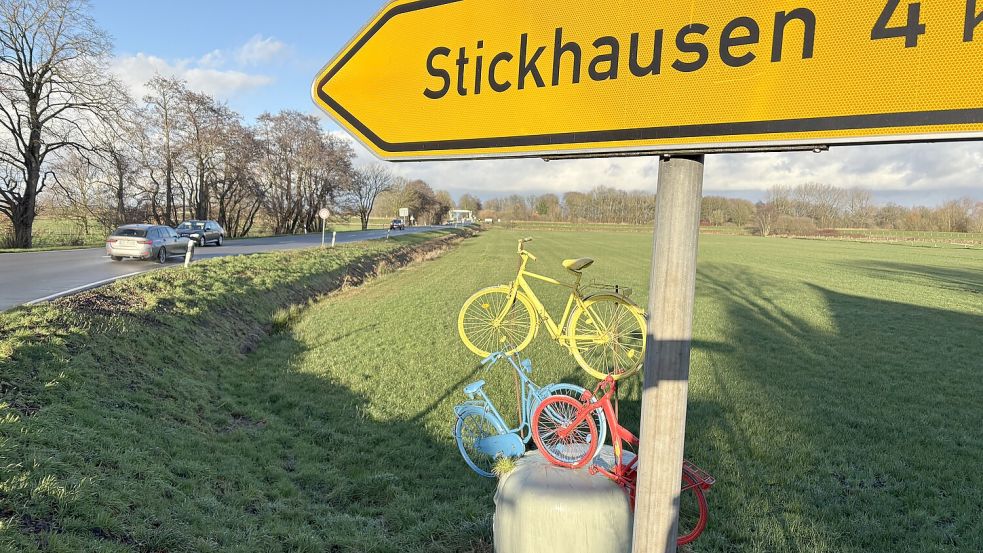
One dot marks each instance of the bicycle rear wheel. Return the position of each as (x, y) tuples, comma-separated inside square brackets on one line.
[(489, 322), (471, 427), (693, 511), (607, 337), (561, 439)]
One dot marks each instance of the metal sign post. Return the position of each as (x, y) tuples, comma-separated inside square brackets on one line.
[(672, 289), (324, 213)]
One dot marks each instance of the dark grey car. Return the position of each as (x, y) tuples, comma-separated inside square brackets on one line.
[(145, 242), (202, 232)]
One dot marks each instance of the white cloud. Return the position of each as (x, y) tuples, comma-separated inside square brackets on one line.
[(213, 59), (201, 75), (220, 73), (908, 174), (259, 50)]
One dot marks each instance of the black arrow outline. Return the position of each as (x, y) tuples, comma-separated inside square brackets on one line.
[(802, 125)]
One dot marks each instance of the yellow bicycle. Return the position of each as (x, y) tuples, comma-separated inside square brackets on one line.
[(604, 331)]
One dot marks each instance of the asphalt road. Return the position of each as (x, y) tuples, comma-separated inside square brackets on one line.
[(27, 278)]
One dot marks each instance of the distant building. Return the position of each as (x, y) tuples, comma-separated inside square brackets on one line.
[(461, 216)]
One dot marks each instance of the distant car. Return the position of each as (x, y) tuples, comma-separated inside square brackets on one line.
[(145, 242), (202, 232), (397, 224)]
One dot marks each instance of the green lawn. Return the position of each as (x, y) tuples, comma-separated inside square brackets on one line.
[(834, 394)]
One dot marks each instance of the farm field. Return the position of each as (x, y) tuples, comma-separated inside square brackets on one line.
[(834, 388), (834, 394)]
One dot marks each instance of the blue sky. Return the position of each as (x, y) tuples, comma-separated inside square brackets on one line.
[(303, 36), (262, 56)]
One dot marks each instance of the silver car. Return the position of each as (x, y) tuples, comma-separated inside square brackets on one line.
[(145, 242)]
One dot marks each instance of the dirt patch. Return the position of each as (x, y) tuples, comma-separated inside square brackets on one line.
[(104, 301), (33, 525), (242, 422)]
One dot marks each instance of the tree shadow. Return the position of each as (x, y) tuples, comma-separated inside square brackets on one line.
[(838, 422), (960, 280)]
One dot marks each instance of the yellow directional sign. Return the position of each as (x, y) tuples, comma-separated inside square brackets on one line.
[(434, 79)]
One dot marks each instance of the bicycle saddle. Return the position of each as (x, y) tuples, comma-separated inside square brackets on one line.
[(473, 388), (577, 265)]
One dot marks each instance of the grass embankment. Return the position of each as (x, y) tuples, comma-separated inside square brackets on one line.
[(835, 388), (834, 394), (137, 418)]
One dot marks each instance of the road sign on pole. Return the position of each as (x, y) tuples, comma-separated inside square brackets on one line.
[(324, 213), (500, 78), (404, 212)]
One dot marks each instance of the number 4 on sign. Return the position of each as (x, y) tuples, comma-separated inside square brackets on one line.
[(910, 31)]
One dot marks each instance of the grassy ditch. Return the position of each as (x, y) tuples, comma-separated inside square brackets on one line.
[(133, 417)]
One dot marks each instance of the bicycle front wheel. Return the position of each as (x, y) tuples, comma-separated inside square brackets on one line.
[(490, 322), (561, 439), (693, 511), (576, 392), (472, 427), (607, 337)]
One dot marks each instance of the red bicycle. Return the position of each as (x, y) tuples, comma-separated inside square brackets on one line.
[(566, 435)]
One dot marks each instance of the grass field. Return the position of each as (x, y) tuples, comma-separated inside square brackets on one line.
[(834, 394)]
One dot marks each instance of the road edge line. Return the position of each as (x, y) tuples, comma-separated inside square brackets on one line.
[(82, 288)]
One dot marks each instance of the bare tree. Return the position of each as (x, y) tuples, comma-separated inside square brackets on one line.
[(54, 80), (860, 210), (289, 140), (765, 217), (159, 145), (473, 204), (238, 194), (365, 186)]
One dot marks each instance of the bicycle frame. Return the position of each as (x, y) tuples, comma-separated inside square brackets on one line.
[(624, 474), (521, 284), (531, 397)]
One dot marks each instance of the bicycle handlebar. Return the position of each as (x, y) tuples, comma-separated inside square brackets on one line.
[(523, 250), (605, 386)]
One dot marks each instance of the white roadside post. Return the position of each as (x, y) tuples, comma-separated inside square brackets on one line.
[(324, 213), (334, 234), (189, 253)]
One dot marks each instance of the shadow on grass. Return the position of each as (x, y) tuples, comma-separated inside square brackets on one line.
[(960, 280), (841, 423)]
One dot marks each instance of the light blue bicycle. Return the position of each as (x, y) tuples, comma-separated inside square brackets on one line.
[(482, 434)]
